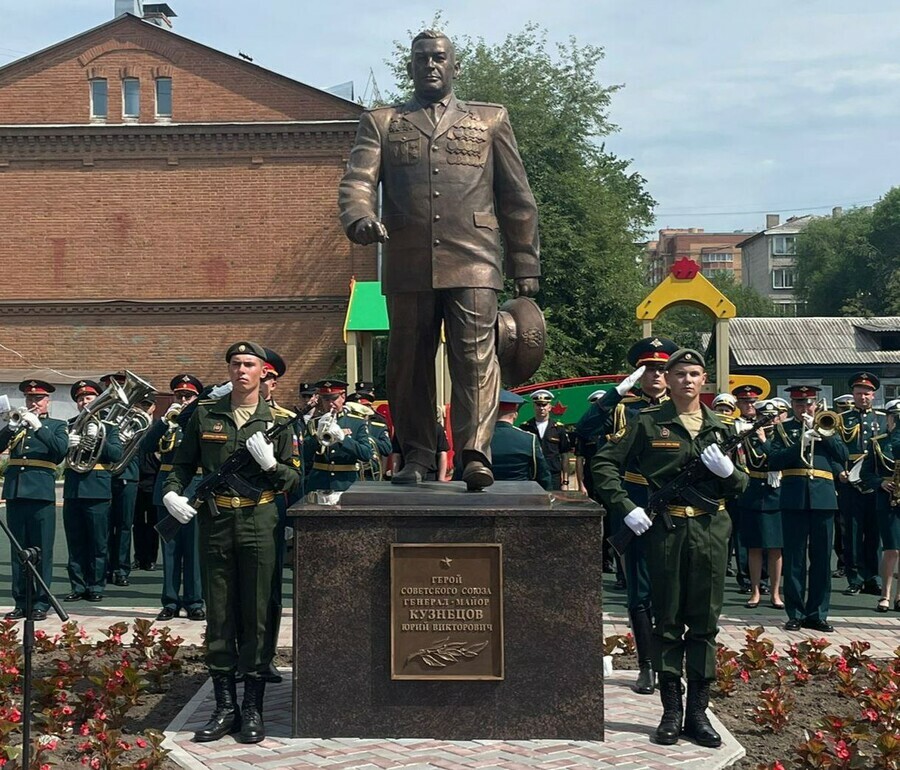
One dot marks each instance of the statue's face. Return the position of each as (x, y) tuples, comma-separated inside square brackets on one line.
[(432, 67)]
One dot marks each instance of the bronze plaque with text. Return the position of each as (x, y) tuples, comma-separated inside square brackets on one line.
[(447, 611)]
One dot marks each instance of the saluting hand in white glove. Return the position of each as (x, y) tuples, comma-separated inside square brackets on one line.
[(630, 381)]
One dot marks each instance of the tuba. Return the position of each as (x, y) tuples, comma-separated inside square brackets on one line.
[(117, 405)]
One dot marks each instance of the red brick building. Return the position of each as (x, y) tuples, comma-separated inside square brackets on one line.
[(161, 199), (714, 252)]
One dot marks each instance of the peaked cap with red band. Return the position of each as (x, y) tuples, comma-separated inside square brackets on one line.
[(36, 388), (651, 350), (325, 387), (749, 392), (803, 391), (865, 380), (84, 387), (185, 382)]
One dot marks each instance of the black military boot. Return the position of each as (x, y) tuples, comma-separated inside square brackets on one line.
[(696, 723), (226, 717), (673, 712), (252, 728), (642, 630)]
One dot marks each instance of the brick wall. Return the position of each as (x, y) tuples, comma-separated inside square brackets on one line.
[(156, 213), (206, 84)]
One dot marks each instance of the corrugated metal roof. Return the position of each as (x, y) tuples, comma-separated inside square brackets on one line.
[(797, 341)]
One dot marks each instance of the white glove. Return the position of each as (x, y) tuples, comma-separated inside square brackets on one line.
[(178, 506), (74, 440), (638, 521), (92, 430), (808, 420), (221, 390), (262, 450), (716, 462), (173, 411), (629, 382), (31, 420), (812, 435), (773, 479)]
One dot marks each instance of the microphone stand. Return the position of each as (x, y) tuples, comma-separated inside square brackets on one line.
[(29, 558)]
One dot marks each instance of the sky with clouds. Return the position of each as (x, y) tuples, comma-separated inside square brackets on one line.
[(730, 109)]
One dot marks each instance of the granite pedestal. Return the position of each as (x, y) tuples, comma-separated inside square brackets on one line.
[(552, 607)]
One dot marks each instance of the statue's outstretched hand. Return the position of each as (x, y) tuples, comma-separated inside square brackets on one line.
[(368, 230)]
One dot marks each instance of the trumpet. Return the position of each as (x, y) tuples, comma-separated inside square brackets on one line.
[(328, 431), (825, 423), (171, 414), (15, 417)]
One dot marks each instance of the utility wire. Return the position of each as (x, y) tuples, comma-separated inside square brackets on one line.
[(770, 210)]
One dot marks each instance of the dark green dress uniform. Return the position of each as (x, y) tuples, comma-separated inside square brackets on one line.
[(554, 445), (181, 584), (121, 519), (760, 505), (517, 456), (808, 503), (880, 465), (87, 500), (336, 467), (29, 488), (686, 565), (857, 509), (237, 544)]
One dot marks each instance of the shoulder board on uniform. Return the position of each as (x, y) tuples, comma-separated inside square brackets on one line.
[(280, 411), (726, 419), (651, 408), (481, 104), (880, 411), (208, 401), (631, 399), (353, 417)]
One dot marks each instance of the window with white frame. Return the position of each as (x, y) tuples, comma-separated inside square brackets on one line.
[(784, 244), (131, 98), (99, 98), (718, 256), (783, 278), (164, 97)]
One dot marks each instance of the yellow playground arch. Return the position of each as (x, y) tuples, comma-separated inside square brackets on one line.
[(686, 285)]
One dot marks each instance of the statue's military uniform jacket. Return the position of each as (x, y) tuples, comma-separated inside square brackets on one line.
[(211, 437), (803, 486), (517, 456), (448, 193), (658, 446), (33, 457), (337, 466)]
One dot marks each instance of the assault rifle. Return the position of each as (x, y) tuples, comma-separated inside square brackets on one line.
[(226, 479), (682, 488)]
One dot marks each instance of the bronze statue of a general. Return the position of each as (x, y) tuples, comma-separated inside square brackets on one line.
[(452, 184)]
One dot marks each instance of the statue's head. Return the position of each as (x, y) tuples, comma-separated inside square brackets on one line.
[(432, 65)]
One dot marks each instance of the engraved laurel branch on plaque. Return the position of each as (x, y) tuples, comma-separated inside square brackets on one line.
[(445, 653)]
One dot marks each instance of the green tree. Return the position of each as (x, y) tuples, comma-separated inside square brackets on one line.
[(593, 208), (885, 262), (834, 266)]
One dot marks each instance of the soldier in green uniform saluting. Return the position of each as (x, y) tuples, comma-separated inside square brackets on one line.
[(37, 444), (687, 563), (607, 418), (237, 537)]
